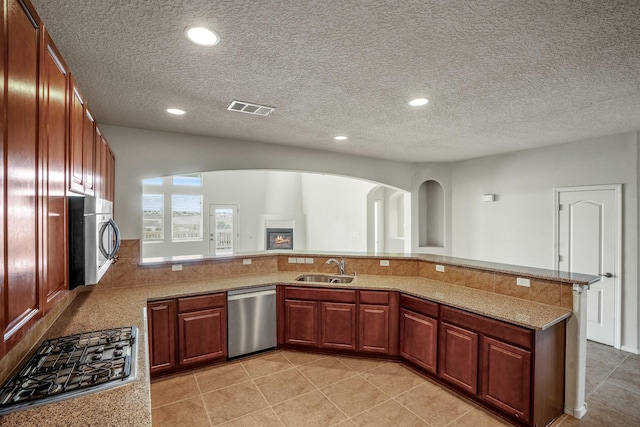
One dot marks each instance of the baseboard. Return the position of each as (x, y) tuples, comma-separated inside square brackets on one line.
[(576, 413), (630, 350)]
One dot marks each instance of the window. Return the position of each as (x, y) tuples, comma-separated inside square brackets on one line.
[(191, 180), (152, 217), (152, 181), (186, 217)]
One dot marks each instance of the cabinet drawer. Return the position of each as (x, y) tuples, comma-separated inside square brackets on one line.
[(374, 297), (418, 305), (327, 295), (201, 302), (495, 328)]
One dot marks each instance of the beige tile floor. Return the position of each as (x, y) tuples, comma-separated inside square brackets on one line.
[(285, 388)]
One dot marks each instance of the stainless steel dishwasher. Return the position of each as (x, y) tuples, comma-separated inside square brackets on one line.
[(251, 320)]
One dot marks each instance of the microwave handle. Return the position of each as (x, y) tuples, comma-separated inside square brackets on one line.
[(116, 232)]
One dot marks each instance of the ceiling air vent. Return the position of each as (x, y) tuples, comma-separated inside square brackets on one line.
[(246, 107)]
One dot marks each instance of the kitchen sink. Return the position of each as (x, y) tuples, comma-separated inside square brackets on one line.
[(324, 278)]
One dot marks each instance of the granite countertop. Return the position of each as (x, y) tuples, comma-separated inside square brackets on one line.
[(130, 405)]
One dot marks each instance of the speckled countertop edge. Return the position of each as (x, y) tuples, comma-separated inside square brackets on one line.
[(100, 308)]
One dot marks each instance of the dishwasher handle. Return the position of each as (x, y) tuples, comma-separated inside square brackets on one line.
[(251, 295)]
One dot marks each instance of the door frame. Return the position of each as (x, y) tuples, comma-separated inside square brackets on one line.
[(617, 284), (236, 222)]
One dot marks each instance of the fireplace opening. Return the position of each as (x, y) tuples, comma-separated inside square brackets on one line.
[(279, 238)]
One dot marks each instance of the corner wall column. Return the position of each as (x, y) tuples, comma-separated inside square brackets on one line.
[(576, 355)]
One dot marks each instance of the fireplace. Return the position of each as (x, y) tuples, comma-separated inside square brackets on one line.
[(279, 238)]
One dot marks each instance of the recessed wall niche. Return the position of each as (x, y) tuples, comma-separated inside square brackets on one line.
[(431, 214)]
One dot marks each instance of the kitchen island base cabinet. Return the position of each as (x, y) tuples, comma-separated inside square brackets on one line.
[(202, 336), (302, 323), (338, 326), (186, 332), (419, 339), (161, 320), (506, 377), (458, 350)]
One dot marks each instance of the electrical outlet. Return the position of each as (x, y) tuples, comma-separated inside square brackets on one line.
[(176, 267), (523, 282), (440, 268), (246, 261), (384, 263), (292, 260), (300, 260)]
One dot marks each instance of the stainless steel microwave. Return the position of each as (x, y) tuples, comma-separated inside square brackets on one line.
[(94, 239)]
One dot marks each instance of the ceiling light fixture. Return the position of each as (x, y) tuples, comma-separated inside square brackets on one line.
[(175, 111), (418, 102), (340, 138), (202, 36)]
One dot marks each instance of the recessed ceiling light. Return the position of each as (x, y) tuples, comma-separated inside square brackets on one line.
[(340, 138), (175, 111), (202, 36), (418, 102)]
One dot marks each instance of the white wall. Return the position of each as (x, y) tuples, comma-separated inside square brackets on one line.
[(336, 212), (146, 154), (518, 227)]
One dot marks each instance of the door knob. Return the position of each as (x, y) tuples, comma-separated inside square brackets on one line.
[(606, 275)]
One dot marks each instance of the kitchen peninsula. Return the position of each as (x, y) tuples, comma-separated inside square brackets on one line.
[(484, 289)]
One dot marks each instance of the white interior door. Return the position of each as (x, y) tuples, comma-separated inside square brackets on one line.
[(223, 226), (588, 242)]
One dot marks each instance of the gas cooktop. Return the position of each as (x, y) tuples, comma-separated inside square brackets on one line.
[(71, 366)]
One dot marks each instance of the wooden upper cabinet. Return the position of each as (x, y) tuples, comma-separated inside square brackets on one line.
[(76, 146), (54, 116), (104, 171), (20, 174), (97, 161), (88, 151)]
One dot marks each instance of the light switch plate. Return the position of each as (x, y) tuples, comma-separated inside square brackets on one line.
[(384, 263), (523, 282), (292, 260), (440, 268), (308, 260), (246, 261), (300, 260), (176, 267)]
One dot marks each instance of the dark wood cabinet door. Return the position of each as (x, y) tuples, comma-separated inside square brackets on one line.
[(458, 357), (53, 148), (161, 321), (419, 339), (374, 328), (301, 322), (110, 175), (338, 325), (202, 336), (506, 377), (20, 178), (76, 146), (98, 169), (88, 152)]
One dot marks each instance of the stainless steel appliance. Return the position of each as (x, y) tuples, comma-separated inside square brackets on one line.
[(251, 320), (94, 239), (72, 366)]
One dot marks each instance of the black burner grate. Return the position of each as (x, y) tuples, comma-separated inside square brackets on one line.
[(71, 365)]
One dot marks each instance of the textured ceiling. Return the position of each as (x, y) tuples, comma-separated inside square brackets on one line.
[(501, 75)]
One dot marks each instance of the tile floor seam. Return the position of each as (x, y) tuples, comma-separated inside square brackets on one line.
[(379, 388), (605, 379), (336, 406), (462, 415), (206, 411), (225, 387), (409, 409), (368, 409)]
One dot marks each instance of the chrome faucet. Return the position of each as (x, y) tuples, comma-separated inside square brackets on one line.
[(339, 263)]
